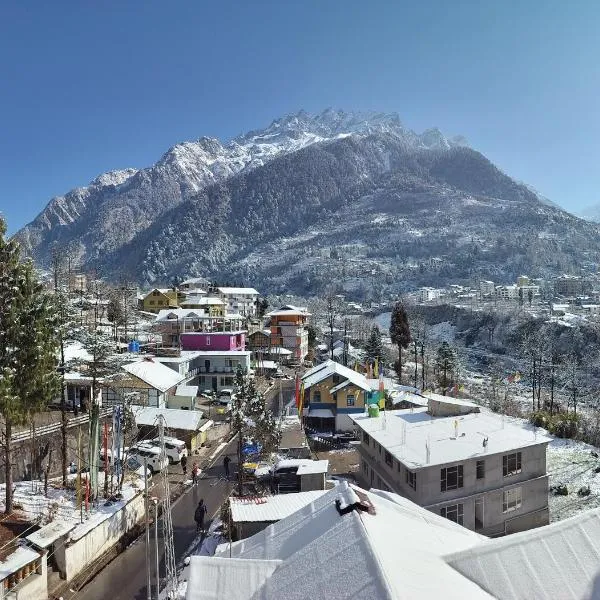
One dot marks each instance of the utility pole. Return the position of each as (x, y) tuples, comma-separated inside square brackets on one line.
[(147, 532), (156, 548)]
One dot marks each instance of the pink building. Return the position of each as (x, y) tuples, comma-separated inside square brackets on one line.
[(217, 341)]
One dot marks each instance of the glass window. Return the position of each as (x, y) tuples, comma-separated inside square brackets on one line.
[(316, 396), (453, 513), (511, 464), (388, 459), (411, 479), (511, 500), (452, 478), (350, 400), (481, 469)]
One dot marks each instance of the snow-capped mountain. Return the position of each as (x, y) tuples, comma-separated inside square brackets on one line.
[(356, 194)]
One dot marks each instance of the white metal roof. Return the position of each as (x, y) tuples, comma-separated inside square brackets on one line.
[(330, 367), (48, 534), (561, 560), (237, 290), (270, 508), (187, 420), (187, 390), (154, 374), (406, 433), (315, 466)]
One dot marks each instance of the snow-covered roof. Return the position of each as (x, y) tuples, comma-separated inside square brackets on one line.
[(352, 556), (330, 367), (289, 309), (270, 508), (173, 314), (561, 560), (187, 390), (154, 374), (449, 400), (406, 434), (187, 420), (49, 533), (195, 281), (280, 350), (321, 413), (202, 301), (231, 291), (19, 558), (314, 466), (268, 364)]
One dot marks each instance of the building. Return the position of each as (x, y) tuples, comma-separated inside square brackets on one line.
[(333, 392), (523, 281), (289, 329), (570, 286), (146, 382), (259, 341), (507, 292), (487, 288), (438, 560), (159, 299), (211, 305), (77, 282), (208, 341), (479, 469), (194, 283), (427, 294), (239, 300)]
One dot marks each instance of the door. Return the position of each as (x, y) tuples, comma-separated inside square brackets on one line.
[(479, 510), (207, 366)]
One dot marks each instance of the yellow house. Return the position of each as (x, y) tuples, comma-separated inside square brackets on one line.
[(331, 393), (159, 299)]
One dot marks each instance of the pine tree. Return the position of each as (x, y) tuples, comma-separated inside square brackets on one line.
[(446, 365), (400, 333), (374, 345), (251, 420), (29, 379)]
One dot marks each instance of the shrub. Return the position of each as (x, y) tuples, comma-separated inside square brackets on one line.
[(561, 425)]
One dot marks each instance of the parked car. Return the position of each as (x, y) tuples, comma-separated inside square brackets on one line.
[(226, 395), (278, 375), (207, 394), (175, 448), (134, 465), (153, 455)]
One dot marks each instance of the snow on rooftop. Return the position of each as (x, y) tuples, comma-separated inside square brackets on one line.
[(19, 558), (270, 508), (330, 367), (75, 351), (232, 291), (49, 533), (187, 390), (187, 420), (313, 467), (154, 374), (406, 433)]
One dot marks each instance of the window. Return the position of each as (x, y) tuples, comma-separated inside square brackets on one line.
[(511, 500), (208, 340), (452, 478), (480, 469), (511, 464), (366, 438), (388, 459), (350, 400), (411, 479), (316, 396), (399, 467), (453, 513), (379, 448), (152, 303)]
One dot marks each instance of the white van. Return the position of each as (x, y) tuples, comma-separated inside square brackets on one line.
[(152, 454), (226, 395), (176, 449)]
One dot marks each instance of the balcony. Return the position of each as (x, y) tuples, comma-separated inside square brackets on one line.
[(218, 369)]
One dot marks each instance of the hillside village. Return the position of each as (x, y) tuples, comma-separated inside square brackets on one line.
[(161, 381)]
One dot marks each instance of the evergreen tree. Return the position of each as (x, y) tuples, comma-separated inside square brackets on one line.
[(29, 379), (446, 366), (251, 420), (400, 333), (115, 314), (374, 346)]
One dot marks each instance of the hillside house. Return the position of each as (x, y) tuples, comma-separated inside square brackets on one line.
[(333, 392), (239, 300), (159, 299), (479, 469), (194, 283), (289, 330), (208, 341)]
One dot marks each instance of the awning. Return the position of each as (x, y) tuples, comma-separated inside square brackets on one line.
[(321, 413)]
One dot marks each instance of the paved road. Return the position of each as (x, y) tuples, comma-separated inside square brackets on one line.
[(125, 577)]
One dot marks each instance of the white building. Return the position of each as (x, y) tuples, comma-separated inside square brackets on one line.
[(427, 294), (507, 292), (241, 301), (487, 288)]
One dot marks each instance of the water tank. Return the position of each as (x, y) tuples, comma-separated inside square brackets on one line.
[(373, 410), (133, 346)]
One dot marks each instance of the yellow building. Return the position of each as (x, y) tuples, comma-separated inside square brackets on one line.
[(158, 299)]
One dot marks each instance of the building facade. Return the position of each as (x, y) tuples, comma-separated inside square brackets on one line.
[(289, 330), (474, 469), (241, 301)]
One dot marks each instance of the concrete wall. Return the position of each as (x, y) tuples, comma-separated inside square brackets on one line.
[(33, 587), (76, 555)]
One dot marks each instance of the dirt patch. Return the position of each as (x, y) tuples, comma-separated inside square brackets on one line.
[(342, 463)]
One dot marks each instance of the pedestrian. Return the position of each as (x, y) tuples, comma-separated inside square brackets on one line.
[(199, 515), (184, 464), (226, 462), (195, 472)]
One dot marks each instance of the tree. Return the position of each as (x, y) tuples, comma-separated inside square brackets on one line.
[(251, 421), (446, 366), (419, 335), (333, 310), (374, 346), (29, 379), (400, 333), (262, 304), (115, 314), (312, 335)]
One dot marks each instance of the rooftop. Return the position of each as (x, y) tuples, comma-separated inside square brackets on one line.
[(186, 420), (330, 367), (238, 290), (154, 373), (407, 433), (270, 508)]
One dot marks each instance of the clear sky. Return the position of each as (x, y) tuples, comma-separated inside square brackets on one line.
[(87, 87)]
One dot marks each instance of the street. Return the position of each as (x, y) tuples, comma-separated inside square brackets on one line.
[(125, 577)]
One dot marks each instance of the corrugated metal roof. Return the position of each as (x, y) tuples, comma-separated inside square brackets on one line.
[(270, 508), (154, 374), (187, 420)]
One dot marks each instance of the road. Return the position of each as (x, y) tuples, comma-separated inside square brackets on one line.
[(125, 577)]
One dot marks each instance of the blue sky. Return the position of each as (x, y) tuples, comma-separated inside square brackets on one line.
[(88, 87)]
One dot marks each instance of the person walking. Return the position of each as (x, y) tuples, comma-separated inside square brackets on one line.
[(226, 462), (199, 515), (195, 472), (184, 464)]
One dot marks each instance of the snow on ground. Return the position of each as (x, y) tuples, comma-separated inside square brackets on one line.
[(31, 504), (572, 464)]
